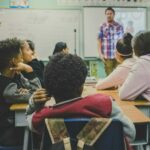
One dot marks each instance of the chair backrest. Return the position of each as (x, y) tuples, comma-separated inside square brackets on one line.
[(10, 148), (111, 139)]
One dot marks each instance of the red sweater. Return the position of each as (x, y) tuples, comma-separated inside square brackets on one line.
[(91, 106)]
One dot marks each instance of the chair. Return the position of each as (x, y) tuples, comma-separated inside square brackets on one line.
[(111, 139), (10, 148)]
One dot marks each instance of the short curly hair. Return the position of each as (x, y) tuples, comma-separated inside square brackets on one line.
[(9, 48), (64, 76)]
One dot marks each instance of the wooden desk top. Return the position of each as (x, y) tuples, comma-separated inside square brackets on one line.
[(128, 107), (135, 114), (114, 93), (15, 107)]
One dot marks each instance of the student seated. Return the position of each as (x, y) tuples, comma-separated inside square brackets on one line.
[(137, 84), (124, 55), (64, 80), (14, 88), (30, 58), (60, 47)]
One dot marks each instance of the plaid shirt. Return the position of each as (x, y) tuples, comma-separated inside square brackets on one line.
[(109, 35)]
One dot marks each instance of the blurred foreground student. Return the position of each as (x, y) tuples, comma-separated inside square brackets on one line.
[(137, 84), (64, 80), (14, 88), (124, 55)]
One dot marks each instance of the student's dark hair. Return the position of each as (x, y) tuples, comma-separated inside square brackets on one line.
[(141, 43), (9, 49), (111, 9), (124, 47), (31, 45), (64, 76), (59, 47)]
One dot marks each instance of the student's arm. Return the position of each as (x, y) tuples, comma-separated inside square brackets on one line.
[(128, 126), (113, 80), (135, 83), (37, 101), (14, 94), (36, 104), (32, 82), (22, 67)]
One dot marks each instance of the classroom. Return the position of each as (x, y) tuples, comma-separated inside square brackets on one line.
[(74, 74)]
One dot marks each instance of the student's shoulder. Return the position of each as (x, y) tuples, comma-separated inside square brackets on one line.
[(98, 97), (4, 82), (139, 63)]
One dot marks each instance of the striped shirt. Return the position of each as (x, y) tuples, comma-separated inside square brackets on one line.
[(109, 34)]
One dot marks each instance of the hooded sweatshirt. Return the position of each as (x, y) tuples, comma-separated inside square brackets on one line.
[(97, 105)]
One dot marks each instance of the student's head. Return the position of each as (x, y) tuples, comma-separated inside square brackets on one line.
[(27, 53), (141, 43), (124, 48), (64, 76), (10, 53), (110, 14), (31, 45), (60, 47)]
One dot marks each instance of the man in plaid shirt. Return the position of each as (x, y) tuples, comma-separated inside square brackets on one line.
[(110, 32)]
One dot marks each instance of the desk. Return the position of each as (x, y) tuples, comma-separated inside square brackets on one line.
[(20, 121), (114, 93), (129, 108), (132, 109), (140, 121), (143, 105)]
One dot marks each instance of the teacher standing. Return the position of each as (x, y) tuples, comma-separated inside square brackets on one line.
[(110, 32)]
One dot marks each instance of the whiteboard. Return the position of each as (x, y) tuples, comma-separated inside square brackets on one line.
[(95, 16), (44, 27)]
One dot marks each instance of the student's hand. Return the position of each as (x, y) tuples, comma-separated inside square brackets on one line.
[(22, 67), (40, 96), (23, 91)]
